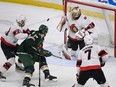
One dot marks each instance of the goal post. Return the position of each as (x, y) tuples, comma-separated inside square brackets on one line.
[(108, 13)]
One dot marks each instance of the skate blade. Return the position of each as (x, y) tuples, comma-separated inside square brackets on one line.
[(54, 80), (2, 79), (28, 85)]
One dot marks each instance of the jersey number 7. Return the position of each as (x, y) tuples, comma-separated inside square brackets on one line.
[(89, 54)]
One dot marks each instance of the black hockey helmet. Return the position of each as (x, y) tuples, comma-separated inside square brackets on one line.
[(43, 29)]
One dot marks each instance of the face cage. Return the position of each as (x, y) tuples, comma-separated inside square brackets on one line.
[(21, 23), (75, 15)]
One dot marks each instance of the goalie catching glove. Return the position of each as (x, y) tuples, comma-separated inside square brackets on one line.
[(43, 52)]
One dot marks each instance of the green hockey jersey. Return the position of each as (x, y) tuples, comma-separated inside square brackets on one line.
[(30, 44)]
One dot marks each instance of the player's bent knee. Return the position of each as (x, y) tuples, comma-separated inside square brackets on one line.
[(11, 60), (29, 69)]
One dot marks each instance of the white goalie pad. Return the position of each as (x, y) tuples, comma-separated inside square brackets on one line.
[(67, 53), (61, 26)]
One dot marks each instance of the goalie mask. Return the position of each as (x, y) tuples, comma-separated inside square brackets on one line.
[(88, 40), (21, 20), (43, 29), (76, 13)]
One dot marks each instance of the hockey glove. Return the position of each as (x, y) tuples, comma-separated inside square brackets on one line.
[(45, 53), (77, 76), (90, 26), (101, 62), (27, 31)]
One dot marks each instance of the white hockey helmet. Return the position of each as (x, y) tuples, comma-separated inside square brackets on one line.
[(76, 12), (88, 39), (21, 19)]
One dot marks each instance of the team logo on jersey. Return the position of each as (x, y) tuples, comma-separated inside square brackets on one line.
[(73, 28), (16, 31)]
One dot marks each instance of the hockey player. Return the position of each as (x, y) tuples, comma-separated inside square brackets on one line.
[(76, 23), (90, 60), (31, 51), (9, 43)]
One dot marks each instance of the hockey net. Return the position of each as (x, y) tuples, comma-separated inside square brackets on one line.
[(103, 15)]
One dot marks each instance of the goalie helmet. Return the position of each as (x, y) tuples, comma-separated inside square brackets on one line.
[(21, 20), (43, 29), (88, 39), (76, 12)]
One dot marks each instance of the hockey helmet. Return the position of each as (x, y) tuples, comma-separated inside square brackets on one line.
[(43, 29), (88, 39), (76, 12), (21, 19)]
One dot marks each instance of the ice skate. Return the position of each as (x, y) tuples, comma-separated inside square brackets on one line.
[(50, 78), (27, 84), (2, 78), (19, 67)]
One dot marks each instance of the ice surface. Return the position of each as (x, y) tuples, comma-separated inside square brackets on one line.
[(64, 69)]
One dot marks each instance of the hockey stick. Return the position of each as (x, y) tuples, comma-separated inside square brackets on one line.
[(39, 73), (56, 56)]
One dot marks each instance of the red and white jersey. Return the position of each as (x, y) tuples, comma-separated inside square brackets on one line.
[(12, 36), (88, 58), (81, 23)]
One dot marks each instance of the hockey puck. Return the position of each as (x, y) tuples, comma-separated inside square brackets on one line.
[(48, 19)]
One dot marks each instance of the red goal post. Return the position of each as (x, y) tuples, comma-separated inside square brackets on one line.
[(95, 5)]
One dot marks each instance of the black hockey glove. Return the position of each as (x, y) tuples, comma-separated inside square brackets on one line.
[(77, 76), (45, 53), (101, 62)]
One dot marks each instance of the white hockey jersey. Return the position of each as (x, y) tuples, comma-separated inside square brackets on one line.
[(88, 57), (81, 23), (12, 36)]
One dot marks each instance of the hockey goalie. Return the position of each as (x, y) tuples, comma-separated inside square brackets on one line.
[(78, 25)]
